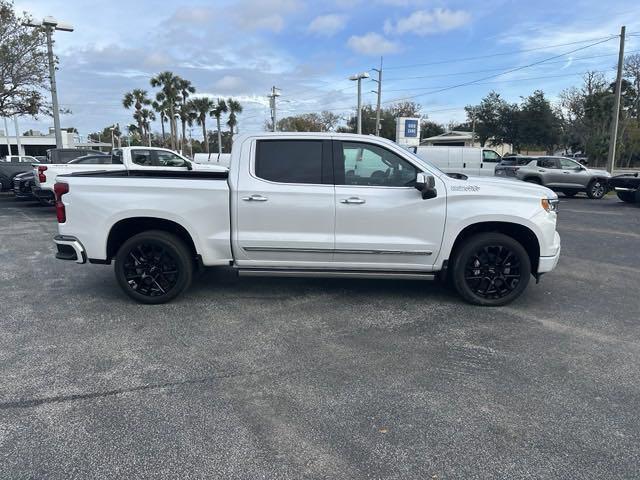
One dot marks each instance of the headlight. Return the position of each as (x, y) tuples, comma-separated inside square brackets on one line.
[(550, 204)]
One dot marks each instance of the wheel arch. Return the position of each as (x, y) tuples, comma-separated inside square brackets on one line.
[(128, 227), (521, 233)]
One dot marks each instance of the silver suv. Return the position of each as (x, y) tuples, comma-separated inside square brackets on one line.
[(565, 175)]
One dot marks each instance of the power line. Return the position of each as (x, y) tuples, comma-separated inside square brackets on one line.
[(513, 52), (489, 77)]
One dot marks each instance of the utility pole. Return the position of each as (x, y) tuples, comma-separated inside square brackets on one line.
[(611, 159), (6, 136), (50, 24), (15, 123), (272, 104), (358, 78), (379, 92)]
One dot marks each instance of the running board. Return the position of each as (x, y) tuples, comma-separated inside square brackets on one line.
[(257, 272)]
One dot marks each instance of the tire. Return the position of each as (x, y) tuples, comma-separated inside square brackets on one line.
[(476, 269), (628, 197), (596, 189), (569, 193), (153, 267), (535, 180)]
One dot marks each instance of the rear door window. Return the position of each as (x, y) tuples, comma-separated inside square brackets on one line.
[(289, 161)]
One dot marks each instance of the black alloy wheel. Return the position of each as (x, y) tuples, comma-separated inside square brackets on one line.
[(491, 269), (153, 267)]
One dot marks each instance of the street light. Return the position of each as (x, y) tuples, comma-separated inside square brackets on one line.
[(358, 78), (178, 137), (50, 24)]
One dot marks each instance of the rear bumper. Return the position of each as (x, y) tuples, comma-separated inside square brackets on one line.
[(42, 194), (70, 248), (546, 264)]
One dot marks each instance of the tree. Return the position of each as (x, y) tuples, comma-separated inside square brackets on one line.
[(509, 126), (217, 111), (540, 123), (429, 128), (161, 108), (186, 117), (201, 107), (631, 70), (308, 122), (486, 117), (137, 99), (234, 108), (405, 109), (24, 65), (169, 94)]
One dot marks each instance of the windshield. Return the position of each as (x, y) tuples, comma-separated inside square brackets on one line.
[(422, 160)]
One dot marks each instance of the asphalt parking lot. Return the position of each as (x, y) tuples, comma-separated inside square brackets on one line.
[(286, 378)]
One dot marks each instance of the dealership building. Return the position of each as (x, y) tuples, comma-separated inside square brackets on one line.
[(37, 143)]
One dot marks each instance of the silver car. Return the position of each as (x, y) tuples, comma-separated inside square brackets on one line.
[(565, 175)]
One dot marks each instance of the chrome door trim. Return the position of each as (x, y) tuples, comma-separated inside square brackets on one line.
[(331, 250)]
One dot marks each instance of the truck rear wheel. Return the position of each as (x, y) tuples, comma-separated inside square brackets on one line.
[(153, 267), (491, 269)]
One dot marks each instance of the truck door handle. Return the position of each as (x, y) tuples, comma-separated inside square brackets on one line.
[(353, 200), (255, 198), (541, 170)]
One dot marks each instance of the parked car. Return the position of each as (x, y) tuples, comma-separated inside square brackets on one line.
[(65, 155), (565, 175), (627, 187), (462, 160), (22, 185), (8, 170), (45, 175), (289, 206), (19, 159), (508, 166)]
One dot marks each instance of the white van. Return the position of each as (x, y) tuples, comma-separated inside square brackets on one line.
[(467, 160)]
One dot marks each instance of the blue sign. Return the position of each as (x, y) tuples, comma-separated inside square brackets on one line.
[(411, 128)]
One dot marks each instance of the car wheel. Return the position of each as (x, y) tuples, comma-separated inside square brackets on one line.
[(570, 193), (153, 267), (596, 189), (533, 180), (491, 269), (629, 197)]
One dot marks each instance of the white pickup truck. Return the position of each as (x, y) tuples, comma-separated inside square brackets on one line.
[(299, 205), (143, 157)]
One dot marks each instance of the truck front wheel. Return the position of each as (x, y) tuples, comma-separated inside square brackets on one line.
[(153, 267), (491, 269)]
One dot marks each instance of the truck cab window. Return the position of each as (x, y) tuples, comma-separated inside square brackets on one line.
[(489, 156), (289, 161), (375, 166), (142, 158), (169, 159)]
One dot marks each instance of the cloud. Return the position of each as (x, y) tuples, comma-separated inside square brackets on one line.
[(422, 22), (327, 25), (263, 14), (229, 82), (372, 44)]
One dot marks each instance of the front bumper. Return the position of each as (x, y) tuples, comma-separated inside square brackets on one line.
[(548, 263), (70, 248)]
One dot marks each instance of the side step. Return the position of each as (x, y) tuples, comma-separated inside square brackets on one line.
[(286, 272)]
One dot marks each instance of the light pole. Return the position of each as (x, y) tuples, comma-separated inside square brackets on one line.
[(50, 24), (6, 137), (358, 78), (178, 137), (113, 143)]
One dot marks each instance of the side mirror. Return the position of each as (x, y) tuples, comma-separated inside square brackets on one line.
[(426, 184)]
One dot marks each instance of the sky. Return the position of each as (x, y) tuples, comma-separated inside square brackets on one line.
[(442, 54)]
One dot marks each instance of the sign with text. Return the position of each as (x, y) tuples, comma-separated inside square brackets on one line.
[(408, 131)]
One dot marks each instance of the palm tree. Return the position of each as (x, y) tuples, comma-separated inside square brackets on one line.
[(161, 107), (147, 117), (217, 111), (137, 98), (187, 116), (201, 107), (234, 108), (169, 84), (185, 88)]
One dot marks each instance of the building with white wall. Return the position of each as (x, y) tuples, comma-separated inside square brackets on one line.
[(37, 143)]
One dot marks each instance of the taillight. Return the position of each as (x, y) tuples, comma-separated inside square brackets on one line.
[(41, 176), (59, 189)]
